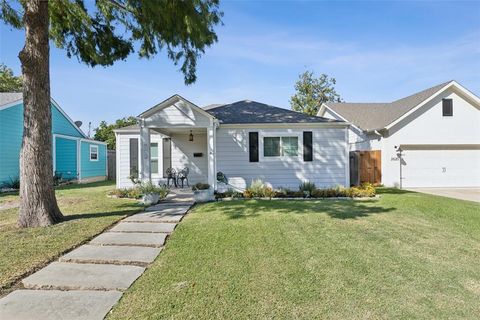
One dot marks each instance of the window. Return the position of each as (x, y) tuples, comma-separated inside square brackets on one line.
[(271, 147), (447, 107), (280, 146), (154, 157), (134, 157), (93, 153)]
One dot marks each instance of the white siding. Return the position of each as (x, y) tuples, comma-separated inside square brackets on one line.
[(182, 156), (123, 158), (178, 115), (357, 139), (428, 126), (328, 168)]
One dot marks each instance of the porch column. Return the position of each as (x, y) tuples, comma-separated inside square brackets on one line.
[(145, 172), (211, 175)]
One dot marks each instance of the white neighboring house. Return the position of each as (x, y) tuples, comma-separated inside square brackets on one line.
[(438, 130), (245, 140)]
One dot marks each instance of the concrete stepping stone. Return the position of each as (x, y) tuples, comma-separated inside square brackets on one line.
[(169, 208), (57, 305), (112, 254), (130, 239), (157, 216), (83, 276), (144, 227)]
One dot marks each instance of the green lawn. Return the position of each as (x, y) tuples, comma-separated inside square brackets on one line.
[(88, 211), (408, 255)]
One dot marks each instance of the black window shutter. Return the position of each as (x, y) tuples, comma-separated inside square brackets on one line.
[(447, 107), (134, 157), (307, 146), (253, 146)]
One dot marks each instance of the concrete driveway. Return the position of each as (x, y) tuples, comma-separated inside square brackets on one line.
[(471, 194)]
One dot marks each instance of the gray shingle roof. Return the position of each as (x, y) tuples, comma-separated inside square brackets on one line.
[(247, 112), (8, 97), (373, 116)]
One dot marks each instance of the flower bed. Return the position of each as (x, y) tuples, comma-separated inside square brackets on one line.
[(140, 191), (306, 190)]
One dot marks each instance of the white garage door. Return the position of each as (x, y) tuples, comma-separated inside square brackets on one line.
[(441, 168)]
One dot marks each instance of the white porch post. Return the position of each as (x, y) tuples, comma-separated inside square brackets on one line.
[(211, 135), (145, 174)]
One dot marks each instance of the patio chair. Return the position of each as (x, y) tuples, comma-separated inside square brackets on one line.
[(171, 175), (183, 176)]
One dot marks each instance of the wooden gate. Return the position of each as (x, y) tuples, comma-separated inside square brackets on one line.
[(370, 166), (111, 164)]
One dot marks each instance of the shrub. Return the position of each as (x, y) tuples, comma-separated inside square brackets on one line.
[(365, 190), (149, 187), (282, 192), (256, 188), (330, 192), (12, 183), (307, 188), (247, 194), (131, 193), (229, 193), (200, 186), (268, 192)]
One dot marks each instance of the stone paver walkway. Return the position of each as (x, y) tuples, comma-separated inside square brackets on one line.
[(88, 281)]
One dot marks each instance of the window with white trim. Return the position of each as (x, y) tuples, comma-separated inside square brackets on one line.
[(154, 157), (93, 153), (280, 146)]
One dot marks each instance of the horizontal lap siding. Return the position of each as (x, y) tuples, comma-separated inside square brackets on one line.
[(328, 167), (90, 168), (123, 159), (182, 156), (61, 125), (66, 158), (181, 116), (11, 131)]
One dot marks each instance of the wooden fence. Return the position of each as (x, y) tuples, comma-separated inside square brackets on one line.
[(111, 164), (365, 166)]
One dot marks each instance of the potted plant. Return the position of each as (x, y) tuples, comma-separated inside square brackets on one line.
[(202, 192), (151, 193)]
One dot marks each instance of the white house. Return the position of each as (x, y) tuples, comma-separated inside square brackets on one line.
[(244, 140), (437, 131)]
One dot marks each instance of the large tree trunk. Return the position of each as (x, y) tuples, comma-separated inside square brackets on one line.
[(38, 206)]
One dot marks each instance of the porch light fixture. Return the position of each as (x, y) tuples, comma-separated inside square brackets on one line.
[(190, 137)]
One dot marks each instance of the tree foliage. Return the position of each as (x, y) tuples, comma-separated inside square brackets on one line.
[(311, 92), (110, 30), (8, 81), (97, 32), (105, 133)]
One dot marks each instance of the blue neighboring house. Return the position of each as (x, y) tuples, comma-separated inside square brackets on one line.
[(75, 156)]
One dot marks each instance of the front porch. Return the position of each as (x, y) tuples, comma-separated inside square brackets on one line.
[(177, 135)]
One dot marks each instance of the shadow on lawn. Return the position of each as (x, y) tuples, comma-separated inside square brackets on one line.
[(338, 209), (393, 191), (86, 215)]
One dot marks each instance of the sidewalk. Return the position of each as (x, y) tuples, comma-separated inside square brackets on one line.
[(88, 281)]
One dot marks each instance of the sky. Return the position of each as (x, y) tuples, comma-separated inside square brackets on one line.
[(376, 50)]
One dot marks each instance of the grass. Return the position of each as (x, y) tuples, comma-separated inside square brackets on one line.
[(88, 211), (406, 256)]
